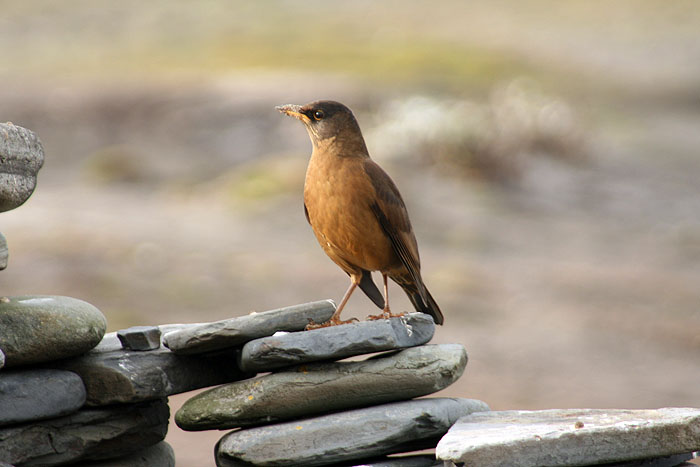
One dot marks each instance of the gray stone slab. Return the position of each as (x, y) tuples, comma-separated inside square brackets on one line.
[(21, 157), (313, 389), (28, 395), (111, 342), (113, 375), (87, 434), (158, 455), (42, 328), (341, 437), (2, 358), (570, 437), (3, 252), (237, 331), (336, 342), (140, 338)]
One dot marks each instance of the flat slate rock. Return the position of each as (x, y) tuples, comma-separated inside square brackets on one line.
[(570, 437), (42, 328), (113, 375), (28, 395), (314, 388), (2, 358), (237, 331), (158, 455), (21, 157), (88, 434), (140, 338), (344, 436), (336, 342), (3, 252)]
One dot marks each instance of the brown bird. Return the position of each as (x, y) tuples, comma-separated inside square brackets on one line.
[(357, 212)]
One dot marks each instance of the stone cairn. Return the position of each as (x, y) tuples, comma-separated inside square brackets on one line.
[(52, 410), (309, 408), (69, 394)]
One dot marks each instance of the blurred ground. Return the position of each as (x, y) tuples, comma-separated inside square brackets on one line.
[(548, 153)]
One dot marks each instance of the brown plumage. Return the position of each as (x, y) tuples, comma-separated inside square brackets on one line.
[(356, 211)]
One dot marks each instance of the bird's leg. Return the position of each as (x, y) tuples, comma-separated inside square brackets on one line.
[(386, 312), (335, 319), (386, 294)]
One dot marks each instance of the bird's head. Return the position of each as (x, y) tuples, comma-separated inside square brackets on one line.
[(328, 122)]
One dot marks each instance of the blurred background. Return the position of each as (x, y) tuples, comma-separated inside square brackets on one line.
[(548, 152)]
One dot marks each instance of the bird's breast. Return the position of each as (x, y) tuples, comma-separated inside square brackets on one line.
[(338, 196)]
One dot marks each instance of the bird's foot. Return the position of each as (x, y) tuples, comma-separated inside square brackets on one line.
[(331, 322), (386, 314)]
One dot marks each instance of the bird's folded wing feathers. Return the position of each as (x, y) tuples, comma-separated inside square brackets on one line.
[(391, 213)]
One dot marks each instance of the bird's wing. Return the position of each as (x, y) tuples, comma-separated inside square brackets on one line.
[(392, 215)]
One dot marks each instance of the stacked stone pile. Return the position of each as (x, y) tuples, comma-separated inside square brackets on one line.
[(310, 409), (69, 393), (46, 414)]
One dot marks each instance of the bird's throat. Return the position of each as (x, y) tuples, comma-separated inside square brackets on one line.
[(340, 147)]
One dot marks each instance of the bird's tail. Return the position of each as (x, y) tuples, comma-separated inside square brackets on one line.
[(425, 304)]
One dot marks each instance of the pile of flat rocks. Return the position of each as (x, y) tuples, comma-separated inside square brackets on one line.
[(308, 408), (49, 357)]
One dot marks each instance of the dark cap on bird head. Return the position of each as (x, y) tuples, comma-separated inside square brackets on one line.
[(325, 119)]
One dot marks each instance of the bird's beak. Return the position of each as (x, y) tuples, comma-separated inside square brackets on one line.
[(293, 111)]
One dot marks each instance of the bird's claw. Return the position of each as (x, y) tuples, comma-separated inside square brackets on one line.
[(386, 314), (329, 323)]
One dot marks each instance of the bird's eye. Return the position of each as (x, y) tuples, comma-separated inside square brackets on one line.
[(318, 114)]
